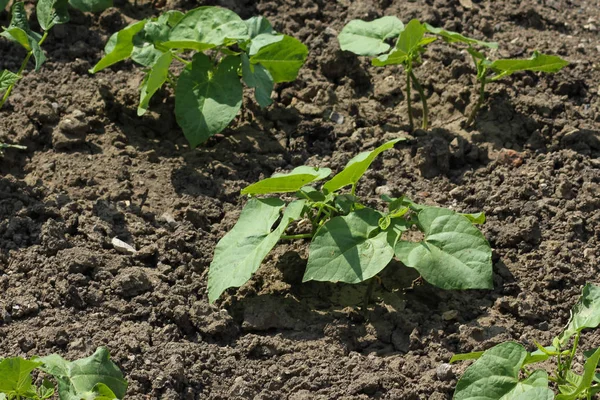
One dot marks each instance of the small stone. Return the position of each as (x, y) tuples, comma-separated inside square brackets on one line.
[(450, 315), (466, 3), (337, 118), (588, 253), (383, 190), (444, 372), (122, 247)]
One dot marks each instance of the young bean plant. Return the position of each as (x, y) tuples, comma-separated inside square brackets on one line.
[(350, 242), (226, 52), (94, 377), (506, 371), (49, 13)]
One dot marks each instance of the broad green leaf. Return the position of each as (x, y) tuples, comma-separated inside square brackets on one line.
[(411, 40), (283, 59), (82, 376), (262, 40), (153, 81), (356, 167), (103, 392), (52, 12), (349, 249), (369, 38), (207, 99), (206, 27), (534, 387), (28, 42), (18, 17), (122, 48), (286, 183), (466, 356), (493, 375), (7, 79), (585, 314), (93, 6), (256, 76), (15, 377), (257, 26), (453, 37), (241, 251), (453, 255), (538, 62), (476, 218), (583, 382)]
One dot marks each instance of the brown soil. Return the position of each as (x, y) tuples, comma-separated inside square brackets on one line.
[(94, 170)]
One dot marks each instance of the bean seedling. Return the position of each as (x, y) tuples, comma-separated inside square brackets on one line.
[(505, 371), (94, 377), (227, 51), (350, 242), (49, 13)]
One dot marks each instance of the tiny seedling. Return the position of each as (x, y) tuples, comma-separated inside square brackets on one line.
[(491, 71), (49, 13), (350, 242), (226, 52), (94, 377), (505, 372)]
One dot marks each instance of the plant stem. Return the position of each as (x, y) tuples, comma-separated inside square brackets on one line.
[(298, 236), (368, 294), (353, 190), (423, 99), (408, 99), (480, 102), (21, 69), (573, 350), (186, 62)]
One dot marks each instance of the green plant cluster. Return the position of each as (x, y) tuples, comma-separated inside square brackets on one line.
[(226, 52), (506, 371), (49, 13), (371, 39), (350, 242), (92, 378)]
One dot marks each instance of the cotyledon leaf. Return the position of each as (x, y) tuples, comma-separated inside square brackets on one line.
[(349, 249), (356, 167), (369, 38), (585, 314), (453, 255), (283, 59), (287, 182), (241, 251), (79, 378), (256, 76), (155, 78)]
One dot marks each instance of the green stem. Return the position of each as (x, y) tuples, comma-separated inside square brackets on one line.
[(423, 99), (368, 294), (573, 350), (21, 69), (186, 62), (408, 99), (479, 103), (298, 236), (353, 190)]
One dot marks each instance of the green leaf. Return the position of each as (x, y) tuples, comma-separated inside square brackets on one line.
[(206, 27), (256, 76), (122, 48), (93, 6), (453, 255), (349, 249), (410, 42), (207, 100), (585, 314), (454, 37), (493, 375), (153, 81), (15, 376), (476, 218), (18, 17), (241, 251), (584, 382), (283, 59), (262, 40), (538, 62), (257, 26), (286, 183), (52, 12), (80, 377), (356, 167), (28, 42), (466, 356), (369, 38), (534, 387), (7, 79)]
